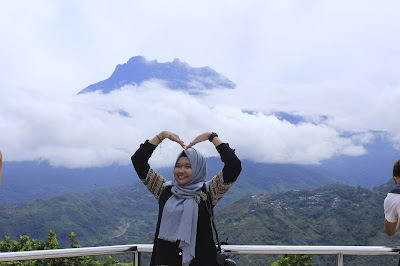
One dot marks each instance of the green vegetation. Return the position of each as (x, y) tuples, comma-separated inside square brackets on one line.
[(99, 217), (330, 215), (294, 260), (26, 244)]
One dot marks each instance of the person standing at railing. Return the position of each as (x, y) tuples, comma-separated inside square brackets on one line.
[(1, 165), (392, 203), (184, 234)]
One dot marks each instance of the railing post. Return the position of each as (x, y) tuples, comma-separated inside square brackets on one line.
[(136, 256), (339, 259), (139, 256)]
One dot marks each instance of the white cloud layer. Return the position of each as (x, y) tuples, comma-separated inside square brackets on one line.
[(101, 129), (335, 63)]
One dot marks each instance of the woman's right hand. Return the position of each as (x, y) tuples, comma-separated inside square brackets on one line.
[(171, 136)]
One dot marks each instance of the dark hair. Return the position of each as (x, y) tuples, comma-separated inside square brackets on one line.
[(396, 168), (183, 154)]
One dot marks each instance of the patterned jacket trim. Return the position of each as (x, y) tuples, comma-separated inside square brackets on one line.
[(218, 188), (155, 184)]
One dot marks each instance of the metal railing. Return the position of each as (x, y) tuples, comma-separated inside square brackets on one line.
[(338, 251)]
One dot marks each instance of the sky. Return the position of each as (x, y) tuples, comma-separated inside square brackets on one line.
[(334, 63)]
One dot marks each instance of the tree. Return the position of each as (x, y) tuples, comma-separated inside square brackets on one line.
[(25, 244), (294, 260)]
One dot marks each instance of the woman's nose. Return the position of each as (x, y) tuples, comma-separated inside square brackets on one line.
[(181, 170)]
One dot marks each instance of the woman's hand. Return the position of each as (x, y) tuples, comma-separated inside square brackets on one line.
[(173, 137), (167, 135), (199, 139)]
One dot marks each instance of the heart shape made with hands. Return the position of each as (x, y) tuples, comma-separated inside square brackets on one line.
[(198, 139)]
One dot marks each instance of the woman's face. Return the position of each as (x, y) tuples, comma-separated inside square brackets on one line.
[(183, 171)]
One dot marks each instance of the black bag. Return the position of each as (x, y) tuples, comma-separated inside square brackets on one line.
[(222, 258)]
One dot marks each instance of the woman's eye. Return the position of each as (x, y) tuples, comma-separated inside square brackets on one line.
[(183, 166)]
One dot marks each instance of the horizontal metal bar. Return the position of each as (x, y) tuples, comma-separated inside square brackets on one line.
[(233, 249), (68, 252), (326, 250), (144, 247)]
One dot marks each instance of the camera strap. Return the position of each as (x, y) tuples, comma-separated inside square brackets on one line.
[(211, 213), (222, 258)]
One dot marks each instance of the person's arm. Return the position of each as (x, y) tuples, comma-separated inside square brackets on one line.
[(1, 164), (391, 206), (166, 135), (205, 136), (391, 228), (222, 182), (142, 155), (152, 180), (232, 164)]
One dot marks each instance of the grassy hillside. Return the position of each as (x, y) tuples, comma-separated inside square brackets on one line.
[(330, 215), (97, 216)]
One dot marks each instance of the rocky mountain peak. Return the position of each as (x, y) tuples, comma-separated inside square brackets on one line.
[(178, 75)]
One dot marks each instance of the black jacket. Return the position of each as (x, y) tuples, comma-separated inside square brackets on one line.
[(168, 253)]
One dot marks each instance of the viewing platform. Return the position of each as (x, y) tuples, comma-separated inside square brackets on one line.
[(338, 251)]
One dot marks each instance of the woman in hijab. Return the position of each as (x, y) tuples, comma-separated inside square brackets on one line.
[(184, 234)]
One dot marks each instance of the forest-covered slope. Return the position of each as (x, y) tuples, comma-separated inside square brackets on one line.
[(330, 215)]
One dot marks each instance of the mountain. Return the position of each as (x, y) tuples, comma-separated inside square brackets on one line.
[(176, 74), (97, 216), (368, 170), (26, 181), (329, 215)]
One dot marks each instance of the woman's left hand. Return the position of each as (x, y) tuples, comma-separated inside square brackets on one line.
[(199, 139)]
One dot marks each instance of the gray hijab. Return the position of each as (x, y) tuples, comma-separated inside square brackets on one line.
[(180, 213)]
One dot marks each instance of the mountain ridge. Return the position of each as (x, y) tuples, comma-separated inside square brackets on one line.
[(176, 74), (25, 181)]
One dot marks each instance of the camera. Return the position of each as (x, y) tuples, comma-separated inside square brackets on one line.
[(223, 259)]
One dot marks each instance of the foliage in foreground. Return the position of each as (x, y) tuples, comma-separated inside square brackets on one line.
[(293, 259), (27, 244)]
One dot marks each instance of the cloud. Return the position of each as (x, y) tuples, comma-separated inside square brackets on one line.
[(333, 63), (101, 129), (347, 105)]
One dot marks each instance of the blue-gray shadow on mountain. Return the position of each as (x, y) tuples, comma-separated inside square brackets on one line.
[(176, 74)]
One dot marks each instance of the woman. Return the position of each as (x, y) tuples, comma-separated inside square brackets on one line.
[(184, 234)]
